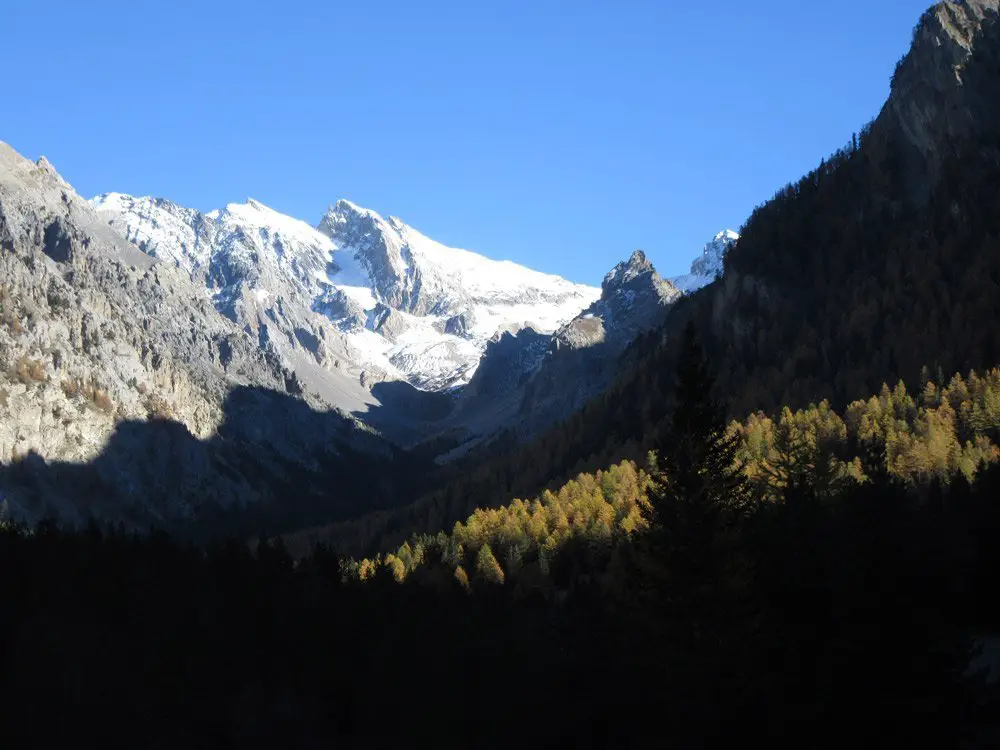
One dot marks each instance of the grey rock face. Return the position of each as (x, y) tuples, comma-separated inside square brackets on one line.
[(388, 322), (263, 271), (397, 281), (510, 360), (580, 333), (538, 379), (460, 325), (634, 298), (96, 335), (337, 305), (930, 104), (410, 273)]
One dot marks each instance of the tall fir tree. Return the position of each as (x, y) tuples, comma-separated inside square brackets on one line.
[(692, 606), (700, 490)]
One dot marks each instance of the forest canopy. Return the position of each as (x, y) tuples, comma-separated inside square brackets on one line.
[(947, 430)]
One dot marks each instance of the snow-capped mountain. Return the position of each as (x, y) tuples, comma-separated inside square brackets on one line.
[(707, 266), (361, 299), (361, 294)]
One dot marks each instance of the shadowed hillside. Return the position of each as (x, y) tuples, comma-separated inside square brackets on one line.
[(274, 463)]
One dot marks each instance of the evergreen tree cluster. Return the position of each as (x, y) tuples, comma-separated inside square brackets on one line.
[(943, 432)]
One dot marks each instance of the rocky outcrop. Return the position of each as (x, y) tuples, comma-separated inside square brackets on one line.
[(528, 381), (387, 322), (264, 271), (634, 298), (931, 105), (460, 325), (396, 281), (339, 306), (509, 361)]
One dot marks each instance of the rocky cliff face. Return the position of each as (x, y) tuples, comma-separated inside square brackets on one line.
[(931, 105), (89, 308), (409, 272), (98, 338), (881, 260), (634, 298), (269, 274)]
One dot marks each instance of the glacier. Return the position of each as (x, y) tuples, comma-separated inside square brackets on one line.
[(358, 294)]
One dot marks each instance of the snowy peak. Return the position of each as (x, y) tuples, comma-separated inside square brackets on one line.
[(378, 252), (360, 294), (708, 266), (160, 228), (345, 210), (411, 272), (256, 216), (710, 261)]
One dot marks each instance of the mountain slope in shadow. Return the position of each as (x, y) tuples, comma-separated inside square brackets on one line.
[(273, 464)]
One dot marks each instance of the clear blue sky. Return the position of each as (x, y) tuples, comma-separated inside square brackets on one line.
[(558, 134)]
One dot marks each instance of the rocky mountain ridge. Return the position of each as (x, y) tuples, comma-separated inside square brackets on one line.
[(366, 296), (527, 380), (376, 301), (98, 337)]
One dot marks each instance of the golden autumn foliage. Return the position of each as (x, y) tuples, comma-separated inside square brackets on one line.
[(948, 429), (520, 538), (944, 431), (487, 566)]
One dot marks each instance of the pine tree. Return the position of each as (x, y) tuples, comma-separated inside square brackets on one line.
[(692, 609), (699, 488)]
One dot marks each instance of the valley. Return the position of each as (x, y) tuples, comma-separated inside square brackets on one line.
[(269, 482)]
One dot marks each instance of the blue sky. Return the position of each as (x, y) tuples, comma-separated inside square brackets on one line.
[(561, 135)]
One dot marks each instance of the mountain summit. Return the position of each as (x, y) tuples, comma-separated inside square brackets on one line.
[(933, 101), (359, 296), (707, 267), (634, 298)]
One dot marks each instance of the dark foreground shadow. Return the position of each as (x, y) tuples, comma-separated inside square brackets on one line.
[(273, 465)]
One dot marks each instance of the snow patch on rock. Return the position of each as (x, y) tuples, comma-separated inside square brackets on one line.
[(707, 267)]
